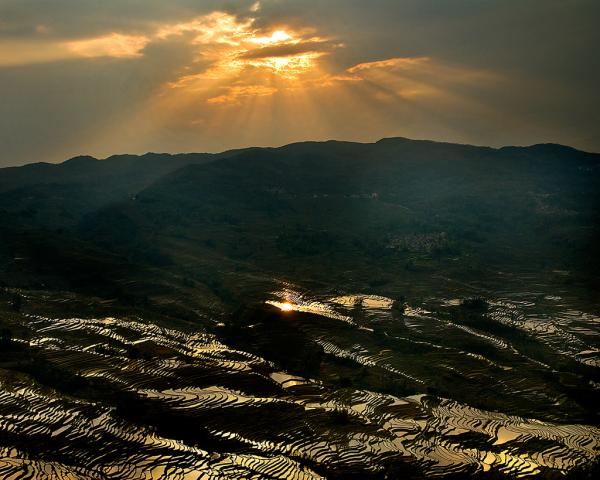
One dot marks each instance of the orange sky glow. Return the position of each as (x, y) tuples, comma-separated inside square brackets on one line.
[(268, 73), (242, 77)]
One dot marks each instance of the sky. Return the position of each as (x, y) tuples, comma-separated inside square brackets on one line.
[(102, 77)]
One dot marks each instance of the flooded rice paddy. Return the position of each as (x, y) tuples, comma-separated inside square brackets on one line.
[(126, 398)]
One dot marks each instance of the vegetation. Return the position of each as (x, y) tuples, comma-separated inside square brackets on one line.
[(197, 243)]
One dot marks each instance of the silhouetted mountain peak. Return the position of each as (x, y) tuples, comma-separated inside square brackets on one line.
[(80, 160), (390, 140), (548, 149)]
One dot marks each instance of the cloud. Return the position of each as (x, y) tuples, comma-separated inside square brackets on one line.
[(234, 94), (288, 49), (390, 63), (77, 19), (215, 28), (25, 52), (139, 74), (112, 45)]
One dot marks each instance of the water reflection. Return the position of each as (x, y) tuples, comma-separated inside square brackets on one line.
[(188, 405)]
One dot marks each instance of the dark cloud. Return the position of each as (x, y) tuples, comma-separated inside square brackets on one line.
[(288, 49), (69, 19), (49, 111)]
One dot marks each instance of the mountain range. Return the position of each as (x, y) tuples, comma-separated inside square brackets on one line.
[(382, 213), (397, 309)]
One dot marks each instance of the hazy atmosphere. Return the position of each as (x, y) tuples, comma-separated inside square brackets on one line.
[(299, 240), (102, 77)]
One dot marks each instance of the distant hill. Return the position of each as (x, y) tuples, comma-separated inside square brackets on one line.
[(379, 193), (57, 194), (383, 210), (398, 309)]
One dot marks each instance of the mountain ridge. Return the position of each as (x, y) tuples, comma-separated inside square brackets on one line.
[(411, 203), (229, 152)]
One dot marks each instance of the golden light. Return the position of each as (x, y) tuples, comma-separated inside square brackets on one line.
[(112, 45), (245, 61), (251, 79), (286, 307), (290, 66), (280, 36), (276, 37)]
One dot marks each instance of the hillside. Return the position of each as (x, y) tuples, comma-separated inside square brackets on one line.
[(399, 309), (392, 209)]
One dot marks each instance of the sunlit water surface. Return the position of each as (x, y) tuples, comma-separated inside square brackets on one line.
[(262, 422)]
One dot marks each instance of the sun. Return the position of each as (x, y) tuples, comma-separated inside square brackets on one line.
[(276, 37)]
